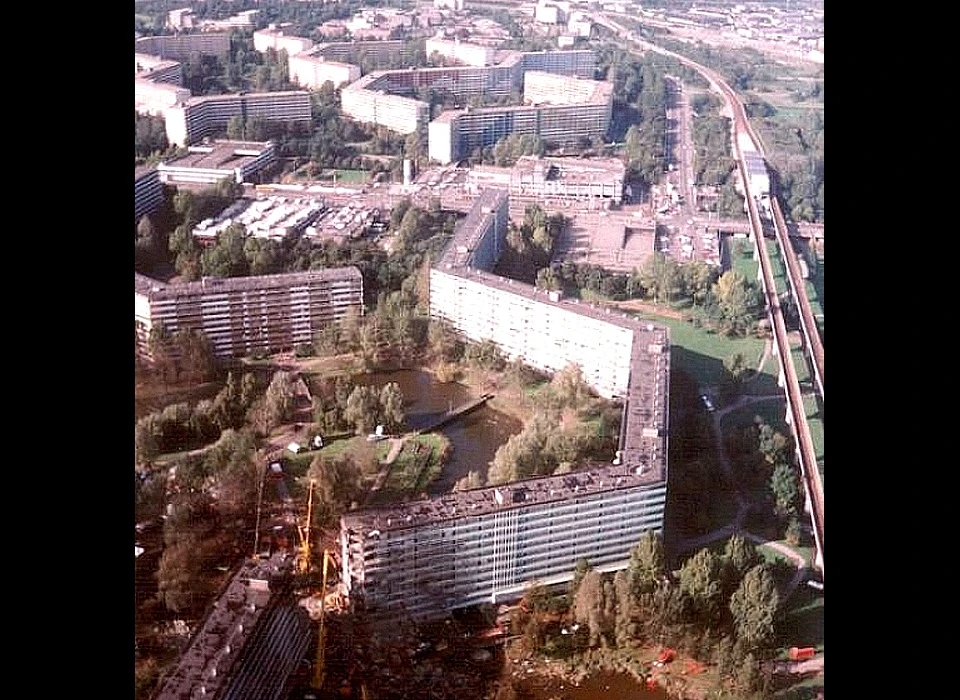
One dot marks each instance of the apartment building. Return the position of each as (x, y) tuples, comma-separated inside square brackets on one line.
[(311, 70), (358, 52), (205, 115), (465, 83), (460, 51), (275, 38), (541, 87), (485, 545), (247, 315), (178, 47), (456, 133), (580, 63), (155, 98), (157, 69), (429, 556), (208, 164), (365, 102), (147, 191)]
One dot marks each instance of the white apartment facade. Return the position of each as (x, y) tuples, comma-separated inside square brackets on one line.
[(202, 116)]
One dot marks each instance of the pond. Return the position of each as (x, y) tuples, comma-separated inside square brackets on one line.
[(599, 686), (475, 437)]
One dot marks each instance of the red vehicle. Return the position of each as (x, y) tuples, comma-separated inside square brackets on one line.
[(802, 653), (666, 656)]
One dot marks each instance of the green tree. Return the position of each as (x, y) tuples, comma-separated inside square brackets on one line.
[(647, 564), (660, 276), (235, 128), (391, 407), (277, 403), (472, 480), (594, 605), (739, 556), (701, 586), (547, 279), (738, 303), (785, 486), (363, 409), (197, 362), (227, 258), (338, 484), (754, 606)]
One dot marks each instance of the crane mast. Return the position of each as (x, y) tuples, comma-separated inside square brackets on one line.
[(302, 563), (318, 667)]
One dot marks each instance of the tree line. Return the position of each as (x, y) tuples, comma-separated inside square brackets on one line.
[(733, 304), (718, 607)]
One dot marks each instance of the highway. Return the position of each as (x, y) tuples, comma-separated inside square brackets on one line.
[(813, 346)]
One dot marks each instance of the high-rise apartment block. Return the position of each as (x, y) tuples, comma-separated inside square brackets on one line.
[(425, 557), (565, 111), (246, 315), (204, 115)]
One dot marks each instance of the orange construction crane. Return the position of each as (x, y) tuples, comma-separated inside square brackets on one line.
[(304, 553), (318, 667)]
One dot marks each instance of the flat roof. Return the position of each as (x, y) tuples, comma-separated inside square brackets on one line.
[(219, 154), (160, 290), (505, 497)]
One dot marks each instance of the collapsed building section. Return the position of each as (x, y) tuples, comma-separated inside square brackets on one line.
[(430, 556), (249, 644)]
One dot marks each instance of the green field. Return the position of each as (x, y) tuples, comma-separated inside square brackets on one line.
[(349, 176), (741, 257), (701, 353)]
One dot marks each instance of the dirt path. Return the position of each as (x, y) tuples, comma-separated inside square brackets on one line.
[(396, 445), (644, 307)]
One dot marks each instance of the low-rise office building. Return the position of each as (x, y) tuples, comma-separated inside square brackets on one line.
[(575, 179), (241, 316), (209, 163)]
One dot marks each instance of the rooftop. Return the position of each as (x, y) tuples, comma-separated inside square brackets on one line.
[(219, 642), (219, 155), (159, 290), (475, 502)]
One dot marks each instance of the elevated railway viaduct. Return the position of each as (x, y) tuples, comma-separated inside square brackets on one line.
[(812, 344)]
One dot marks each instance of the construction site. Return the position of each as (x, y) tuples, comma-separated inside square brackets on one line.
[(282, 629)]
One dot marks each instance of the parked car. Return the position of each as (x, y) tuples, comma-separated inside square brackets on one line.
[(707, 403)]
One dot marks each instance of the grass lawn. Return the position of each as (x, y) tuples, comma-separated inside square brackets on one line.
[(777, 267), (701, 353), (815, 423), (351, 176), (802, 624), (741, 257), (419, 463)]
